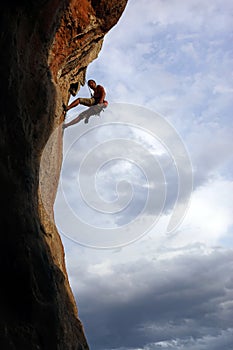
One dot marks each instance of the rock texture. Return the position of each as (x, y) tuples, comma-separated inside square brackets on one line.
[(46, 46)]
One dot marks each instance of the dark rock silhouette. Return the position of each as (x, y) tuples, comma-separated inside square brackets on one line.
[(45, 49)]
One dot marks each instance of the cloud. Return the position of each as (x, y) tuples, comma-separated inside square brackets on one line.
[(209, 217), (171, 57), (141, 149), (184, 300), (223, 340)]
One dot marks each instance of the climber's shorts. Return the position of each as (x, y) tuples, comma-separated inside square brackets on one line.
[(87, 101)]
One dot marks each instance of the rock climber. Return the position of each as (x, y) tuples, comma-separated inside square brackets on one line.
[(96, 103)]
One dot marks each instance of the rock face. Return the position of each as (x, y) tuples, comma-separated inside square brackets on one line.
[(45, 49)]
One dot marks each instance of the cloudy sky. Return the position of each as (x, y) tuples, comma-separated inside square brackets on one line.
[(161, 151)]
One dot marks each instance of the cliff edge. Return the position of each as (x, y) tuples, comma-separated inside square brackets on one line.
[(46, 47)]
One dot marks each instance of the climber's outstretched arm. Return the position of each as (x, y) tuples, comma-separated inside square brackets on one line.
[(72, 105)]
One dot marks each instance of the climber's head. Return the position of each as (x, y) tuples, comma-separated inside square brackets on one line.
[(91, 83)]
